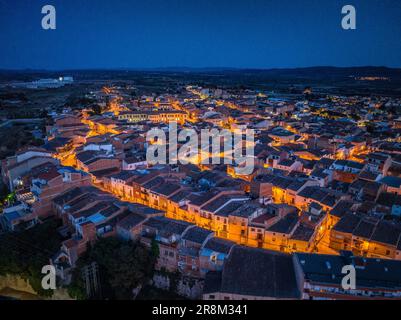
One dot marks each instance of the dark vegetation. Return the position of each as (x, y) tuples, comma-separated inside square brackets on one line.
[(322, 79), (15, 137), (123, 266), (24, 253), (152, 293), (78, 101)]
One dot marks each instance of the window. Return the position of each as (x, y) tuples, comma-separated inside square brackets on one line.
[(211, 296)]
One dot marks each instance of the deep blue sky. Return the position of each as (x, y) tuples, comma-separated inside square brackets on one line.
[(204, 33)]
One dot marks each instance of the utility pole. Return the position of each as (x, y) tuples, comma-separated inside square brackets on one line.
[(91, 277)]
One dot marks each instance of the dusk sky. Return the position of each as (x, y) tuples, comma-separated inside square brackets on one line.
[(207, 33)]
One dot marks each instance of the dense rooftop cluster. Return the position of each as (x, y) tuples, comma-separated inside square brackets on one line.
[(325, 191)]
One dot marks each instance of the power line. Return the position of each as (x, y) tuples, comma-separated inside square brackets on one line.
[(91, 278), (21, 247)]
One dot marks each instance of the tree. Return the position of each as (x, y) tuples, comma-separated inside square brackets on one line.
[(355, 117), (392, 110), (37, 142), (3, 191), (313, 108), (123, 266), (24, 253), (78, 101), (76, 289), (155, 249), (43, 113), (96, 109), (370, 127)]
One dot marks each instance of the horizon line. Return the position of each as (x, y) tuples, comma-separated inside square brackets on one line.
[(178, 68)]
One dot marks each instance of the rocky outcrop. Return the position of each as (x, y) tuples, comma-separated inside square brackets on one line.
[(19, 288)]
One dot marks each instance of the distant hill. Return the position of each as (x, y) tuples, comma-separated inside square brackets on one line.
[(313, 72), (318, 72)]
